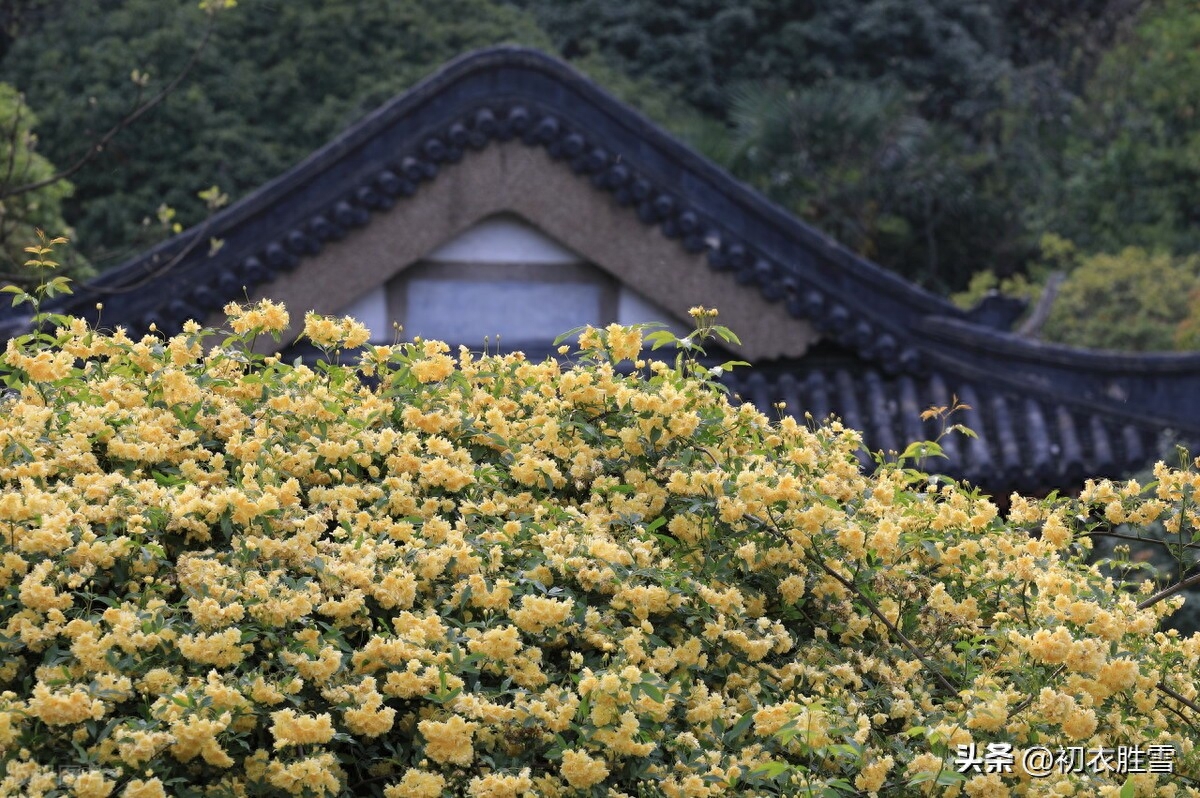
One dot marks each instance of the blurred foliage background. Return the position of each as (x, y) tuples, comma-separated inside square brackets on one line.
[(969, 145)]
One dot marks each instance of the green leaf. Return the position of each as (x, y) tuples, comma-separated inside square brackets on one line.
[(569, 334), (771, 770), (919, 449), (653, 691), (660, 338), (726, 334), (948, 777), (443, 698), (739, 728), (1128, 789)]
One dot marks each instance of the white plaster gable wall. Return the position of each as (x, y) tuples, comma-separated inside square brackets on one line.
[(633, 308), (523, 313), (504, 238), (516, 313)]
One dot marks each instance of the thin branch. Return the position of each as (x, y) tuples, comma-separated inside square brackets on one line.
[(916, 652), (853, 588), (1031, 698), (1123, 536), (140, 109), (1175, 711), (199, 236), (14, 136), (1189, 704), (1166, 593)]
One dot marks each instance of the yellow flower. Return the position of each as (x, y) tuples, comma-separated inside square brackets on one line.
[(265, 316), (48, 367), (1118, 674), (582, 771), (370, 721), (371, 718), (93, 784), (138, 747), (1051, 647), (498, 644), (417, 784), (1055, 532), (316, 775), (500, 785), (292, 729), (1080, 724), (625, 343), (988, 785), (872, 776), (434, 369), (263, 693), (449, 741), (330, 333), (151, 788), (64, 707), (537, 613), (197, 737), (219, 648)]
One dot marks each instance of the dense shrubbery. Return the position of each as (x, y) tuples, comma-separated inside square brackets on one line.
[(40, 204), (1132, 300), (225, 575)]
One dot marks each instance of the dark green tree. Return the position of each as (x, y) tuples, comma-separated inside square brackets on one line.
[(923, 133), (938, 137), (1133, 158), (276, 81), (37, 202), (272, 83)]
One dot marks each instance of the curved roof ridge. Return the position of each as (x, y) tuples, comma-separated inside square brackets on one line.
[(974, 337), (505, 92)]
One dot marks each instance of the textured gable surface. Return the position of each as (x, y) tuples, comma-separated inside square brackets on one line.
[(508, 130)]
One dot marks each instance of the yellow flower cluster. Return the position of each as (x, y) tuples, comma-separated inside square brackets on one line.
[(492, 577), (330, 333), (288, 728), (582, 771), (265, 316), (448, 741)]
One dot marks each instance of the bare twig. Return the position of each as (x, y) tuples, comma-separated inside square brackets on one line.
[(1123, 536), (14, 135), (1166, 593), (195, 241), (1173, 694), (138, 111), (1175, 711), (1031, 698), (773, 527), (916, 652)]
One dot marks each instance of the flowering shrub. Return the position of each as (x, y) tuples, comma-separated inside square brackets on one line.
[(484, 576)]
